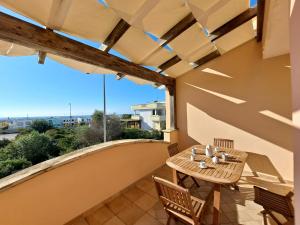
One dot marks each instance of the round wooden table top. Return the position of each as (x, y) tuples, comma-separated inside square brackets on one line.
[(225, 172)]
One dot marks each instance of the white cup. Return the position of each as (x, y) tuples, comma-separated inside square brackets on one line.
[(215, 160), (225, 156), (194, 151), (202, 164), (208, 152), (192, 157)]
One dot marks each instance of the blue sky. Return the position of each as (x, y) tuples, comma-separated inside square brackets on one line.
[(43, 90), (28, 88)]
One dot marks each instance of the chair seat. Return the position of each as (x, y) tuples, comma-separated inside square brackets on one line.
[(197, 204)]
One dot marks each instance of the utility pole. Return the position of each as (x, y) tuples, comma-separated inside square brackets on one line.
[(104, 110), (70, 113)]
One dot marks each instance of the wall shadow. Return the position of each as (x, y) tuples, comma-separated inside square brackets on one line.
[(210, 106)]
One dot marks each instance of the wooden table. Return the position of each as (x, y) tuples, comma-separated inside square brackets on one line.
[(224, 173)]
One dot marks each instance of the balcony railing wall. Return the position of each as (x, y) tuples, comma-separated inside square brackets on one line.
[(58, 190)]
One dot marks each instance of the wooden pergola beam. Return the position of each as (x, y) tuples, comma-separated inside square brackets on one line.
[(207, 58), (23, 33), (116, 34), (179, 28), (169, 63), (234, 23), (260, 19)]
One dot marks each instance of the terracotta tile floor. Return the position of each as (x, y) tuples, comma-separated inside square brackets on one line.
[(139, 205)]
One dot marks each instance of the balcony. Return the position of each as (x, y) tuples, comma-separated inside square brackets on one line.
[(139, 204), (158, 118), (135, 117), (234, 88), (110, 183)]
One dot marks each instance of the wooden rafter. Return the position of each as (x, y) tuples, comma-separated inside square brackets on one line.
[(41, 57), (116, 34), (23, 33), (234, 23), (169, 63), (119, 76), (179, 28), (207, 58), (260, 19), (174, 32)]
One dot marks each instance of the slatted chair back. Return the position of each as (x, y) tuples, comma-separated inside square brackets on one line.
[(274, 202), (223, 143), (173, 149), (174, 197)]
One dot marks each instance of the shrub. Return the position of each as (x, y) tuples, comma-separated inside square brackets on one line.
[(10, 166), (23, 131), (41, 126), (133, 133), (158, 135), (4, 143)]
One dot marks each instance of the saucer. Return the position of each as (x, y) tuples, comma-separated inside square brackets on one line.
[(203, 167)]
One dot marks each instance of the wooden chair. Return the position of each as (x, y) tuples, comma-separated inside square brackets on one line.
[(226, 143), (223, 143), (178, 202), (272, 202), (181, 177)]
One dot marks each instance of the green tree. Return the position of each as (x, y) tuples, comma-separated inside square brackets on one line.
[(33, 147), (64, 138), (97, 119), (114, 128), (113, 125), (41, 126), (89, 135)]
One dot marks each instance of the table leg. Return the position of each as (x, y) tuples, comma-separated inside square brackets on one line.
[(217, 204), (175, 178)]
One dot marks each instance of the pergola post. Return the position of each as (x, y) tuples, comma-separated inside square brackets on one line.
[(295, 79), (170, 134)]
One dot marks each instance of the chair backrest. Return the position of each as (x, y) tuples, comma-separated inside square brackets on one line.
[(274, 202), (174, 197), (173, 149), (223, 143)]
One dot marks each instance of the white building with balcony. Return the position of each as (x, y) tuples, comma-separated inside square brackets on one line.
[(151, 115)]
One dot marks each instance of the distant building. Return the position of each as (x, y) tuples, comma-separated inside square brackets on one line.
[(56, 121), (18, 124), (147, 116), (134, 121), (74, 121)]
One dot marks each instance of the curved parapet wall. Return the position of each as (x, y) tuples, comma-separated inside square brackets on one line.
[(58, 190)]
